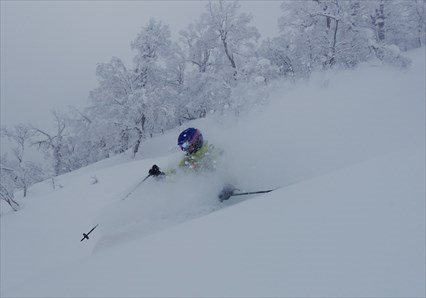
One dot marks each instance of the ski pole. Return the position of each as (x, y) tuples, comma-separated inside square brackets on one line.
[(252, 192), (86, 236), (149, 175), (269, 190)]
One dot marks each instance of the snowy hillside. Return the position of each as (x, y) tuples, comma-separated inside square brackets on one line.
[(347, 150)]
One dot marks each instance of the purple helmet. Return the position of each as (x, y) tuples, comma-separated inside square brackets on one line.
[(190, 140)]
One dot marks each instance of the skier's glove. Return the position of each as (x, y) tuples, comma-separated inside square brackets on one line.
[(227, 192), (155, 171)]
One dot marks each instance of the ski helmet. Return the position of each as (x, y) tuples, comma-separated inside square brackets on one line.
[(190, 140)]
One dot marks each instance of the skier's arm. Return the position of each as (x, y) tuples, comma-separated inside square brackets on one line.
[(156, 172)]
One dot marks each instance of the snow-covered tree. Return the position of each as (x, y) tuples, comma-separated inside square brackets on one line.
[(23, 173), (204, 94), (321, 27), (132, 102), (236, 36), (20, 135), (86, 145), (152, 44), (109, 104), (417, 19), (278, 54), (400, 22), (54, 144), (260, 70), (327, 33), (7, 185), (221, 48), (200, 42)]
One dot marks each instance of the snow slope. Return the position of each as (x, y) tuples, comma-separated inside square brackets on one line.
[(348, 146)]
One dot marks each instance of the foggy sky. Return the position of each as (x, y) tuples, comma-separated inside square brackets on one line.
[(49, 49)]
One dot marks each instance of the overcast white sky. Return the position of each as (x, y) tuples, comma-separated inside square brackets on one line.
[(49, 49)]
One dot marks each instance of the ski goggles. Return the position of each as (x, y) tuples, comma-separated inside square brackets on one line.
[(184, 146)]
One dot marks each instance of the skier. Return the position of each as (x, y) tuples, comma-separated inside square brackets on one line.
[(199, 156)]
